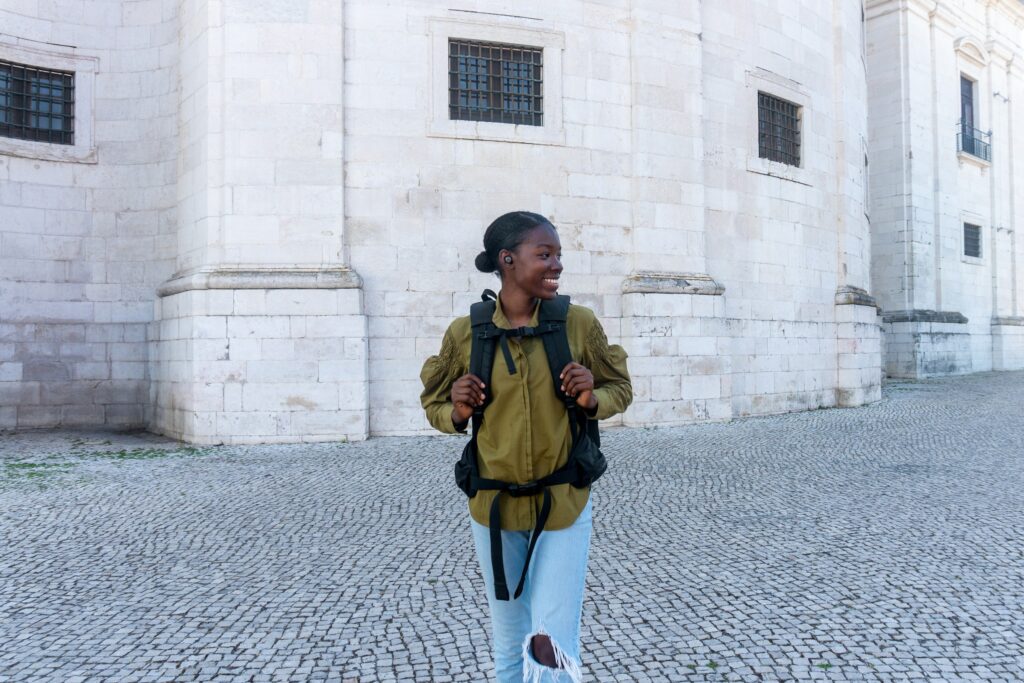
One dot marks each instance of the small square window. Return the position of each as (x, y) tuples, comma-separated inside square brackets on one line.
[(778, 124), (972, 240), (37, 104), (495, 82)]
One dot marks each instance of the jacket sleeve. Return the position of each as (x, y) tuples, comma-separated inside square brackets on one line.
[(438, 375), (612, 385)]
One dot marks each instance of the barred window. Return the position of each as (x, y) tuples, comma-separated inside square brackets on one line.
[(37, 104), (972, 240), (495, 82), (778, 123)]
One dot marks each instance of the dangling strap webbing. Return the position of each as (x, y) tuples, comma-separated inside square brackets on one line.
[(497, 555)]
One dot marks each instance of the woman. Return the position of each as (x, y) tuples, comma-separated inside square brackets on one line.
[(525, 436)]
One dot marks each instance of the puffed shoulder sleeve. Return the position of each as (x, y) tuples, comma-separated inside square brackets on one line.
[(607, 362), (438, 375)]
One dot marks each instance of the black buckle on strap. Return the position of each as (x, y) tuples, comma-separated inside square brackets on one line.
[(531, 488), (522, 332)]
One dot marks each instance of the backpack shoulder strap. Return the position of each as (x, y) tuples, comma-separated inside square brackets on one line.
[(554, 315), (481, 354), (552, 320)]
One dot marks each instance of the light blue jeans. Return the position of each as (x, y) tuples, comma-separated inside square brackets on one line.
[(550, 604)]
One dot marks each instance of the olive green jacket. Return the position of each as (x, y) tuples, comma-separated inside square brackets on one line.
[(525, 432)]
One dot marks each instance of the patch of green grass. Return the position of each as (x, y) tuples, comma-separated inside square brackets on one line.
[(824, 666), (147, 453), (138, 453), (35, 471), (58, 463), (712, 664), (35, 466)]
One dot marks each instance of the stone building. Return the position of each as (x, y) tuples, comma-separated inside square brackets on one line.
[(946, 115), (252, 220)]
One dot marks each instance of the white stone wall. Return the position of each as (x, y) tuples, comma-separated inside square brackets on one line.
[(317, 214), (782, 239), (656, 170), (86, 232), (923, 190)]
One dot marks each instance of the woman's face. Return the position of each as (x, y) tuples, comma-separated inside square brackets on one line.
[(536, 263)]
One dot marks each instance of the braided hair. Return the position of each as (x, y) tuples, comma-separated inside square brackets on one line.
[(506, 232)]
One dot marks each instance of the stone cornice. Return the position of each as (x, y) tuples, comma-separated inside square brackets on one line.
[(671, 283), (1001, 50), (1011, 321), (1012, 7), (848, 295), (261, 277), (919, 315)]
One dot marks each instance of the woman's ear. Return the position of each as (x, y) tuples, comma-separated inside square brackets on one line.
[(505, 256)]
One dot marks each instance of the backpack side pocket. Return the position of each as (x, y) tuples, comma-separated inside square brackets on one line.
[(464, 469)]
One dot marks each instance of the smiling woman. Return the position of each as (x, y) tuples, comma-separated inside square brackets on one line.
[(529, 466)]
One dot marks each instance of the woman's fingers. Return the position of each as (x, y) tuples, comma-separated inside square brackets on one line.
[(576, 378), (468, 389)]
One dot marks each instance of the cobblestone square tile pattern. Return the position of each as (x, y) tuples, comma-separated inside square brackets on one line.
[(881, 543)]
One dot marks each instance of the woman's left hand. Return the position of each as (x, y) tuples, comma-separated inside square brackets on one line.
[(578, 382)]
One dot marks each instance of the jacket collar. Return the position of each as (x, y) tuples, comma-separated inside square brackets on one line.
[(501, 321)]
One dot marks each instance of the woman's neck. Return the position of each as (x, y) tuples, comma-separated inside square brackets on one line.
[(517, 305)]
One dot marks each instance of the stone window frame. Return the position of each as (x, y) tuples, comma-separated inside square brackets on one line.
[(763, 81), (972, 63), (84, 67), (553, 45), (972, 219)]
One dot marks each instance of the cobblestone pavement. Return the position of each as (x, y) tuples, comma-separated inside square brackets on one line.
[(873, 544)]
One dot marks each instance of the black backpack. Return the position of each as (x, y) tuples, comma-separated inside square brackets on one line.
[(585, 463)]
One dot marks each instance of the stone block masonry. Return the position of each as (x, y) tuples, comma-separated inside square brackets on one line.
[(254, 156), (260, 356)]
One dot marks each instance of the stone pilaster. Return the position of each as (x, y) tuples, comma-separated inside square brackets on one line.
[(261, 334), (672, 325)]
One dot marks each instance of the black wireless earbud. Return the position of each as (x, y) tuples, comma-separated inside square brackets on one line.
[(508, 259)]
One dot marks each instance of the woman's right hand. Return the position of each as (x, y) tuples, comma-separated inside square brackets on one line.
[(467, 393)]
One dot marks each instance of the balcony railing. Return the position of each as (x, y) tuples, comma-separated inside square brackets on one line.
[(972, 141)]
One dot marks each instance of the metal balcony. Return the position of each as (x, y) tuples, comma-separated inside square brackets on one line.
[(972, 141)]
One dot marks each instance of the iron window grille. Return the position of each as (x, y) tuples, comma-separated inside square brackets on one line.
[(972, 240), (972, 141), (37, 104), (778, 127), (495, 82)]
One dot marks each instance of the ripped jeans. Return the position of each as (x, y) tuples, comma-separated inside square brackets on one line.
[(551, 602)]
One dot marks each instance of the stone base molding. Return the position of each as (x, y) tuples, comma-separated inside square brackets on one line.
[(671, 283), (848, 295), (858, 348), (925, 343), (260, 355), (261, 277), (919, 315)]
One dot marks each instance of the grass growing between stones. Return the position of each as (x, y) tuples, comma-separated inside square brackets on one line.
[(45, 469), (34, 470)]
